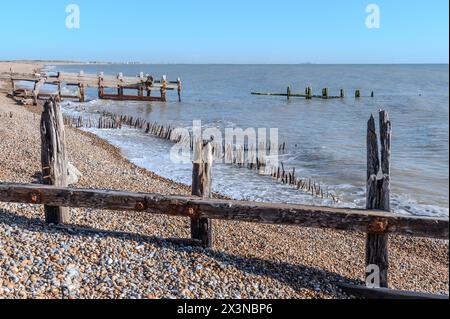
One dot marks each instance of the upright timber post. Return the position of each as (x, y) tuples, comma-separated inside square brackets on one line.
[(163, 88), (288, 92), (59, 86), (325, 93), (309, 93), (342, 93), (357, 94), (201, 228), (81, 95), (149, 84), (378, 197), (13, 86), (100, 85), (179, 89), (37, 87), (141, 84), (53, 158), (120, 85)]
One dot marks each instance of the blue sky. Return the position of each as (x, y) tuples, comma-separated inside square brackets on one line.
[(228, 31)]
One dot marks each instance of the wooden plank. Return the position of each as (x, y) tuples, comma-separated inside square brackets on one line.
[(53, 158), (384, 293), (90, 81), (201, 228), (130, 97), (66, 96), (263, 213)]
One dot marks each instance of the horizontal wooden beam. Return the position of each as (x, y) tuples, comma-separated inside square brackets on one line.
[(194, 207), (296, 95), (129, 97), (88, 80), (384, 293)]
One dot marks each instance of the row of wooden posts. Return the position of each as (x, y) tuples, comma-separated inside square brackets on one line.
[(144, 89), (377, 220), (309, 94), (6, 114), (243, 156)]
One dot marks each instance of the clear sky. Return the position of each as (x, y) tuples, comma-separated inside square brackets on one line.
[(227, 31)]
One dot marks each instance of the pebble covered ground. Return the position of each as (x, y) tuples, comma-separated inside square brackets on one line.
[(106, 254)]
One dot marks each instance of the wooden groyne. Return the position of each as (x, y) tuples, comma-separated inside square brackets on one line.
[(143, 85), (309, 94), (238, 155), (6, 115), (377, 222)]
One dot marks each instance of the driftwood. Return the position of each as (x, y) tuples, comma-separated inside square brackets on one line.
[(53, 157)]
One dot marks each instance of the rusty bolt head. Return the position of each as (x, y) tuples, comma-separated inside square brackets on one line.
[(35, 198), (140, 206), (191, 212), (378, 226)]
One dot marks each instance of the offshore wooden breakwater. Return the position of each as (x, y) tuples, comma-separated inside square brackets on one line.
[(144, 85), (309, 94), (238, 155), (376, 221)]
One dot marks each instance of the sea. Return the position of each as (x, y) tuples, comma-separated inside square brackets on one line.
[(325, 139)]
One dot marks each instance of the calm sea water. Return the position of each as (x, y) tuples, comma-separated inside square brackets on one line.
[(326, 138)]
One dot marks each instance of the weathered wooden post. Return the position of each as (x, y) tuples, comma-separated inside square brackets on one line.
[(81, 96), (37, 87), (53, 158), (325, 93), (201, 228), (309, 93), (378, 195), (288, 93), (13, 86), (357, 94), (140, 88), (179, 89), (120, 84), (163, 88), (149, 84), (342, 93), (100, 85), (372, 94), (59, 86)]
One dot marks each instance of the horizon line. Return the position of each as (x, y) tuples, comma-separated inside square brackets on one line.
[(214, 63)]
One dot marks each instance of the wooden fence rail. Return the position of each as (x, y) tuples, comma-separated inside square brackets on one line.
[(359, 220)]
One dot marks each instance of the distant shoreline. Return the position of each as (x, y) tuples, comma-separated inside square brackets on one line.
[(70, 62)]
